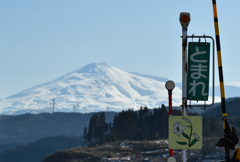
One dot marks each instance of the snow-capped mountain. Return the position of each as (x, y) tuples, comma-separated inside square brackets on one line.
[(95, 87), (98, 87)]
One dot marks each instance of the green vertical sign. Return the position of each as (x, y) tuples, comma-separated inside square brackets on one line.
[(198, 71)]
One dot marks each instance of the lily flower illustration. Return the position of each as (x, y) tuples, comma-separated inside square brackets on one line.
[(178, 129), (187, 120), (196, 136)]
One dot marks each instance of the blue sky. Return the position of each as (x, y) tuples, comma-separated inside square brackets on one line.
[(42, 40)]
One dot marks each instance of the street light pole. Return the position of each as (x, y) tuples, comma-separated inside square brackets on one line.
[(184, 20), (170, 85)]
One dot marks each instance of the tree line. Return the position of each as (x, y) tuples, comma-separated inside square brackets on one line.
[(144, 124)]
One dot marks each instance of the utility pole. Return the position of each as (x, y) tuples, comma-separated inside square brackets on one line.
[(184, 20)]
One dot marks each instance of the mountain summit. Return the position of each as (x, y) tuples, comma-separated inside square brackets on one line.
[(94, 87)]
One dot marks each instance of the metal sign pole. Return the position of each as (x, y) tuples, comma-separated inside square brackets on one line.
[(184, 81), (184, 20), (170, 85)]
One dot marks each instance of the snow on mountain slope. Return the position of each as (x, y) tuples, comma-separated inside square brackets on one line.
[(94, 87)]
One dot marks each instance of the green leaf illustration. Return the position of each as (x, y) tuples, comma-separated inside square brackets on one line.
[(193, 142), (182, 143), (185, 135)]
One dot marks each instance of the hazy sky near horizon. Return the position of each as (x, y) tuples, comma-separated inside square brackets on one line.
[(43, 40)]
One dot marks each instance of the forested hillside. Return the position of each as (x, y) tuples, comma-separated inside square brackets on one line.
[(232, 106), (31, 127), (142, 125), (145, 124), (233, 113), (36, 151)]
